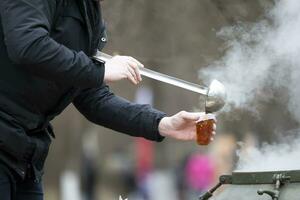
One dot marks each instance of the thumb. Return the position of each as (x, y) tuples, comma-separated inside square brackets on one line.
[(192, 116), (207, 117)]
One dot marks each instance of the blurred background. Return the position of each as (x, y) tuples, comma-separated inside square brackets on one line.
[(177, 38)]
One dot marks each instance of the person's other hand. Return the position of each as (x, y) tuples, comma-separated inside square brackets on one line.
[(182, 126), (123, 67)]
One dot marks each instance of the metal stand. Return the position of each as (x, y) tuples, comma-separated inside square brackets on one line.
[(279, 180), (225, 179)]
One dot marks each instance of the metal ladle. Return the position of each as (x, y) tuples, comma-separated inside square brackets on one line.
[(215, 93)]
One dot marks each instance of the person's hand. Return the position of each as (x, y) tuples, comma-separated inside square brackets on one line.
[(182, 126), (122, 67)]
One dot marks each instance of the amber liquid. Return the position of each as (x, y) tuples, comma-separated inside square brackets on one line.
[(204, 131)]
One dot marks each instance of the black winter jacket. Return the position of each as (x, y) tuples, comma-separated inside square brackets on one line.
[(45, 50)]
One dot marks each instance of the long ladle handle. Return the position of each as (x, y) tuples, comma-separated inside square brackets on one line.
[(102, 57)]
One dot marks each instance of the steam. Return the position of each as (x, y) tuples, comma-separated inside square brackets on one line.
[(262, 63), (278, 156), (262, 58)]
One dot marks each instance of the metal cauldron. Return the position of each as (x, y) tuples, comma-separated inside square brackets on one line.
[(275, 185)]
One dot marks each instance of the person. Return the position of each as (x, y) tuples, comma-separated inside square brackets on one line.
[(46, 49)]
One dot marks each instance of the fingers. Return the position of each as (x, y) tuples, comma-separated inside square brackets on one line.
[(135, 67), (135, 64), (197, 117), (214, 127), (136, 61), (132, 74), (134, 71), (131, 78)]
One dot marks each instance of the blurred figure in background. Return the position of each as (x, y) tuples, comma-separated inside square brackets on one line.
[(200, 171), (89, 165), (195, 175), (144, 150), (199, 175), (223, 151), (144, 165), (119, 168)]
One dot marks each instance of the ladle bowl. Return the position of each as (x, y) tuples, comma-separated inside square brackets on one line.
[(216, 97)]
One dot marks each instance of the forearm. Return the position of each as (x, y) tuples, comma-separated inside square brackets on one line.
[(104, 108), (26, 27)]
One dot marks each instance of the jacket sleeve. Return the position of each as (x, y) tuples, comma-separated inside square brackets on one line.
[(102, 107), (26, 25)]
